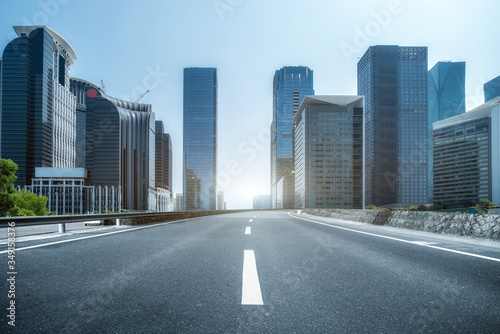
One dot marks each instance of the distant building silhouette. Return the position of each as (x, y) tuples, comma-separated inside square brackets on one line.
[(262, 202), (200, 139)]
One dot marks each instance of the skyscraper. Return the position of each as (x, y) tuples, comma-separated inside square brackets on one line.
[(163, 147), (393, 80), (200, 139), (38, 109), (329, 152), (290, 85), (446, 99), (492, 89)]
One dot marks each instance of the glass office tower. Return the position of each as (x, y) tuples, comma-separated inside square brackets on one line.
[(38, 109), (446, 99), (290, 85), (393, 80), (492, 89), (200, 139)]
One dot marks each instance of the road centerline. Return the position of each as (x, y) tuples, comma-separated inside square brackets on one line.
[(250, 292), (248, 230)]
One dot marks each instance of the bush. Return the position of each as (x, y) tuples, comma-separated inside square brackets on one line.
[(371, 207), (25, 203)]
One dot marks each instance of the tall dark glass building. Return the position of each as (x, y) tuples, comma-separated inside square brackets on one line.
[(38, 109), (446, 99), (163, 147), (200, 139), (290, 85), (120, 145), (393, 80), (492, 89)]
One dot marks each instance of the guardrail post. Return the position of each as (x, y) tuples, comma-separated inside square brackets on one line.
[(118, 222), (62, 228)]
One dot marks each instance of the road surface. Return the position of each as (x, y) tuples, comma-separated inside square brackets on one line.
[(254, 272)]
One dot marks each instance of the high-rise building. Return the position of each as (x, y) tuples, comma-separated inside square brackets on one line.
[(262, 202), (290, 85), (200, 139), (179, 202), (492, 89), (393, 80), (163, 147), (221, 203), (38, 109), (446, 99), (467, 156), (120, 145), (329, 152)]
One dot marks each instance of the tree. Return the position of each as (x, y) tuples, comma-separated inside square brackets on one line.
[(17, 203), (8, 176)]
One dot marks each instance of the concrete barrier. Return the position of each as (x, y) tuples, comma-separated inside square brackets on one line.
[(476, 226)]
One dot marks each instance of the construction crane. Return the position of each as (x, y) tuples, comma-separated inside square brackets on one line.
[(141, 96), (103, 87)]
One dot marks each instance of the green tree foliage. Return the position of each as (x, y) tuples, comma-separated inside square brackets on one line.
[(17, 203)]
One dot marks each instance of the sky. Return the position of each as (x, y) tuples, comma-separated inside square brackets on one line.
[(135, 46)]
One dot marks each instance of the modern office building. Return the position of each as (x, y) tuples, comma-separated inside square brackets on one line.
[(38, 109), (467, 156), (285, 190), (492, 89), (120, 145), (393, 80), (329, 152), (261, 202), (446, 99), (200, 139), (221, 203), (163, 161), (179, 202), (290, 85)]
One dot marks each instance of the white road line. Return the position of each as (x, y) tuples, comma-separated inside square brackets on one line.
[(418, 243), (248, 230), (93, 236), (251, 220), (250, 292)]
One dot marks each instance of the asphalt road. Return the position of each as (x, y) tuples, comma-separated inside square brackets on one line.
[(284, 274)]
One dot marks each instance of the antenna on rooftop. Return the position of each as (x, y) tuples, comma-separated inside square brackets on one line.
[(103, 87), (141, 96)]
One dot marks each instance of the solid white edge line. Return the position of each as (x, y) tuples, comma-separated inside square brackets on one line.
[(248, 230), (93, 236), (418, 243), (250, 291)]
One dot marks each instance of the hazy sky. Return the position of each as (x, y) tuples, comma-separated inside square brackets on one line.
[(138, 45)]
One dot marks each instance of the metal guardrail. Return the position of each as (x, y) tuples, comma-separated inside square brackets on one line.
[(66, 219)]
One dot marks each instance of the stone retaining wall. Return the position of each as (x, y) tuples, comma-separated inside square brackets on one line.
[(477, 226)]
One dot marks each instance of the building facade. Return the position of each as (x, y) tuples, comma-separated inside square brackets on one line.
[(285, 191), (290, 85), (467, 156), (446, 99), (393, 80), (38, 109), (221, 203), (163, 160), (261, 202), (329, 152), (120, 145), (200, 139), (492, 89), (179, 202)]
